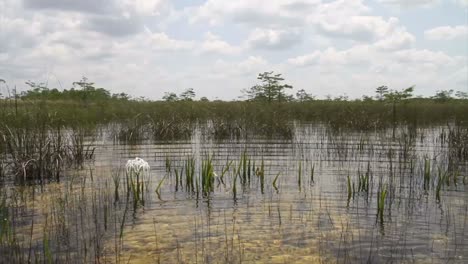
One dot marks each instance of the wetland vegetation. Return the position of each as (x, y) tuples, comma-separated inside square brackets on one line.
[(270, 179)]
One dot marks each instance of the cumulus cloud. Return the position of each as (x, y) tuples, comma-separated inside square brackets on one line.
[(341, 9), (140, 7), (369, 56), (112, 17), (273, 38), (247, 67), (155, 42), (254, 12), (367, 29), (463, 3), (447, 32), (18, 33), (214, 44), (114, 26), (145, 7), (410, 3), (88, 6), (399, 39), (366, 66), (432, 59), (331, 57)]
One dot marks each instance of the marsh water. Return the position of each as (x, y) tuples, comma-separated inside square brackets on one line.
[(300, 200)]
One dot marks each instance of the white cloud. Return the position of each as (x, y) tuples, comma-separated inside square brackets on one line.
[(463, 3), (367, 55), (252, 63), (410, 3), (282, 23), (355, 27), (413, 56), (306, 60), (341, 9), (273, 38), (160, 41), (145, 7), (359, 69), (331, 57), (386, 34), (214, 44), (399, 39), (254, 12), (247, 67), (116, 7), (447, 32), (18, 33)]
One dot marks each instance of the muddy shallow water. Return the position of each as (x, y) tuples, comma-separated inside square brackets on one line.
[(300, 211)]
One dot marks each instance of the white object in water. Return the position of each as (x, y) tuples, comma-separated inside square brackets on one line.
[(137, 166)]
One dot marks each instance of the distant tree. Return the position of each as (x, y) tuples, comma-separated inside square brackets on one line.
[(36, 91), (303, 96), (461, 95), (84, 91), (84, 84), (204, 99), (121, 96), (2, 81), (288, 98), (367, 98), (256, 93), (142, 99), (397, 96), (271, 89), (341, 98), (187, 95), (87, 91), (170, 97), (381, 91), (443, 95)]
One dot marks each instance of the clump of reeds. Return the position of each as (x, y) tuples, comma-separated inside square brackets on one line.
[(207, 176), (363, 183), (34, 154), (189, 170), (427, 174), (443, 177), (299, 175), (116, 180), (168, 164), (350, 189), (381, 196), (260, 172), (312, 171)]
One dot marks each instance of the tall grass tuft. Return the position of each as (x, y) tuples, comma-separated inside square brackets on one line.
[(207, 176), (350, 191), (427, 174), (275, 186), (312, 171), (299, 175), (190, 174), (381, 196), (442, 176)]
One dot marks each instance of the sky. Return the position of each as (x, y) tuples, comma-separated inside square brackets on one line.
[(218, 47)]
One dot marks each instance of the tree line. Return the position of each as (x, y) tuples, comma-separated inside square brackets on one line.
[(271, 88)]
